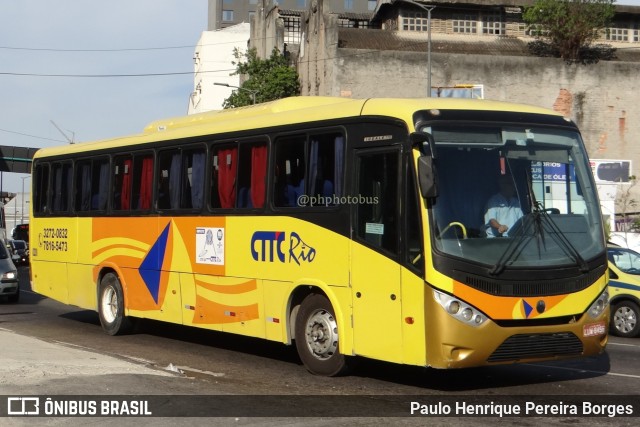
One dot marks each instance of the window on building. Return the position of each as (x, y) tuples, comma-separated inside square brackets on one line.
[(292, 32), (372, 4), (251, 15), (227, 15), (635, 36), (348, 4), (227, 2), (617, 34), (464, 24), (492, 24), (253, 1), (415, 21), (353, 23), (301, 3)]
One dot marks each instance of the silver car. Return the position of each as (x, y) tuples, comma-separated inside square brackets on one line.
[(8, 276)]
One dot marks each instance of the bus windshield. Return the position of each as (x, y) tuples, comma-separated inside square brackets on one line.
[(515, 197)]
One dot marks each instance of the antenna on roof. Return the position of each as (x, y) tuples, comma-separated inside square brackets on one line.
[(73, 135)]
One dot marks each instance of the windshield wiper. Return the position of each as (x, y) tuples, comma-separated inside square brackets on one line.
[(560, 238), (515, 244)]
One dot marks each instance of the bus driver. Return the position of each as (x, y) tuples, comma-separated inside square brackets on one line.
[(503, 209)]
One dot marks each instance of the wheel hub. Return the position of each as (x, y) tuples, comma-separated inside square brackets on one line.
[(625, 319), (322, 334)]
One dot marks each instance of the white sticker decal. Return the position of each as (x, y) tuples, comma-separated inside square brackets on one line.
[(210, 245)]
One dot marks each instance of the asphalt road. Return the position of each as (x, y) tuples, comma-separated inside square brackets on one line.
[(161, 359)]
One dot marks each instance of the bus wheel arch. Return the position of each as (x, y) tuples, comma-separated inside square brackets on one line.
[(316, 336), (111, 307)]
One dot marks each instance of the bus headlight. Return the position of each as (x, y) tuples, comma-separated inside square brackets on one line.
[(459, 309), (599, 305)]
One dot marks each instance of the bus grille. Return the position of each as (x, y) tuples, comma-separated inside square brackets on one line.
[(510, 288), (519, 347)]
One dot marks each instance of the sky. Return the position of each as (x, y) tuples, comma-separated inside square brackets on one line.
[(90, 38)]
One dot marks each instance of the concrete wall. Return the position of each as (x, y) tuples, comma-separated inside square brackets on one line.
[(602, 98)]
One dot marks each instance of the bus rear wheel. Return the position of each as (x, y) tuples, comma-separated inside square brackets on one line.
[(316, 336), (111, 306)]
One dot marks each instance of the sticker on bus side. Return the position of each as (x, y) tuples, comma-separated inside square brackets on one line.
[(210, 245)]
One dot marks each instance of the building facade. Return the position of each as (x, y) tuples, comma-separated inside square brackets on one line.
[(225, 13)]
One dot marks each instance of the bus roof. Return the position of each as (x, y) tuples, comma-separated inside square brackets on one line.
[(292, 110)]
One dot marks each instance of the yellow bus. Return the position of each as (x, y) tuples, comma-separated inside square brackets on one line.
[(348, 227)]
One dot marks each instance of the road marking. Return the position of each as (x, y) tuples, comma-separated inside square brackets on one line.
[(586, 371), (622, 344)]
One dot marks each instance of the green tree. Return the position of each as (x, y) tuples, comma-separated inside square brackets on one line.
[(569, 26), (269, 79)]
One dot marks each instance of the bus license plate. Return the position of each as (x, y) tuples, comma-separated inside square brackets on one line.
[(594, 329)]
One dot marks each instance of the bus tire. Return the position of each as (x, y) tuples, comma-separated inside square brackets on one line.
[(624, 319), (111, 306), (316, 334)]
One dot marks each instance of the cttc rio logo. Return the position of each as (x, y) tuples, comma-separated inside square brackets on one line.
[(268, 245)]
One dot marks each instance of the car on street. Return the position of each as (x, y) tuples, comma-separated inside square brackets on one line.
[(19, 250), (9, 287), (624, 291)]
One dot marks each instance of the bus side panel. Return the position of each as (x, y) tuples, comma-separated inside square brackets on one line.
[(141, 251), (54, 243), (413, 318), (276, 313)]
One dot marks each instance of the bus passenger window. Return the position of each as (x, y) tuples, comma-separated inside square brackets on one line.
[(290, 169), (122, 183), (142, 177), (100, 184), (223, 177), (61, 185), (252, 175), (311, 166), (193, 179), (40, 188)]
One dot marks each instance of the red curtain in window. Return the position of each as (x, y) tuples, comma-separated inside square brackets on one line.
[(227, 167), (258, 175), (125, 191), (146, 183)]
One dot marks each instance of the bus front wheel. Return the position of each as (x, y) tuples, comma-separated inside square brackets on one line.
[(111, 306), (316, 336)]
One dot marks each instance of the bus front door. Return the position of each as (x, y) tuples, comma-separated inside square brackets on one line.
[(375, 272)]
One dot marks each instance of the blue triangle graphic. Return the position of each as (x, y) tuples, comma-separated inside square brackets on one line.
[(152, 264), (527, 308)]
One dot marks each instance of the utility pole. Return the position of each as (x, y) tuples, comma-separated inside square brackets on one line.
[(428, 8)]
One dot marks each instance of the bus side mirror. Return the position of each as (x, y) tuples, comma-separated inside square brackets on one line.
[(426, 170), (427, 177)]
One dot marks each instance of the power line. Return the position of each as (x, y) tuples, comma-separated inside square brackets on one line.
[(132, 49), (31, 136), (109, 75)]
